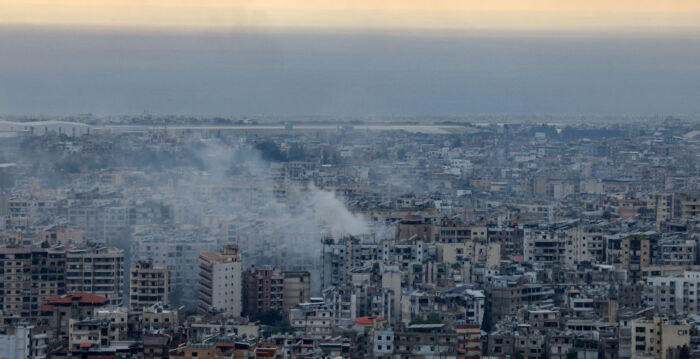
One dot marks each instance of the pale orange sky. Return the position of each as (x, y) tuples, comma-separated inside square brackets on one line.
[(418, 14)]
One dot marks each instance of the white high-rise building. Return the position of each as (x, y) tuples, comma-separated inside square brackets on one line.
[(220, 282), (20, 342)]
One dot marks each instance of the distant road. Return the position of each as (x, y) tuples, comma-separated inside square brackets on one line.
[(40, 127), (427, 129)]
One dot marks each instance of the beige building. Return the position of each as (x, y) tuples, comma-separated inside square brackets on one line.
[(655, 337), (96, 270), (689, 206), (59, 309), (118, 322), (81, 332), (157, 317), (454, 231), (149, 285), (635, 253), (486, 253), (544, 246), (663, 204), (583, 244), (676, 205), (220, 281), (297, 289)]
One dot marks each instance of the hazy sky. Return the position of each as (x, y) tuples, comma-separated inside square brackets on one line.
[(491, 14), (361, 57)]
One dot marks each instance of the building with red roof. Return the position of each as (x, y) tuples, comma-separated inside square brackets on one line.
[(58, 310)]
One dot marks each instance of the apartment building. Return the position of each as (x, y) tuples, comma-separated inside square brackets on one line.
[(316, 319), (544, 246), (17, 344), (663, 204), (487, 254), (149, 284), (297, 289), (221, 282), (339, 256), (655, 337), (23, 341), (426, 341), (510, 298), (469, 339), (21, 211), (676, 205), (453, 232), (96, 270), (511, 239), (674, 293), (689, 206), (268, 288), (158, 317), (119, 319), (178, 250), (414, 226), (61, 309), (87, 332), (635, 253), (584, 243), (28, 276), (676, 252), (264, 287)]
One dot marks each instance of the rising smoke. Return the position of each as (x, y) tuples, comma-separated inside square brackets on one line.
[(225, 188)]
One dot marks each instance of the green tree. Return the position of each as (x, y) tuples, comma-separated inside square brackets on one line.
[(432, 318), (486, 322), (268, 317), (281, 327)]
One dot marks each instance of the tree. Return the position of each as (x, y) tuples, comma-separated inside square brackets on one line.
[(222, 121), (296, 153), (268, 317), (401, 154), (7, 180), (486, 322), (270, 151), (432, 318), (275, 319), (282, 327)]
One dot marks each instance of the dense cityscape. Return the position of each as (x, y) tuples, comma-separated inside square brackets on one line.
[(178, 238)]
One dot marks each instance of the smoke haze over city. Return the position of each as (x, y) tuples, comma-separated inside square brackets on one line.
[(315, 179)]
